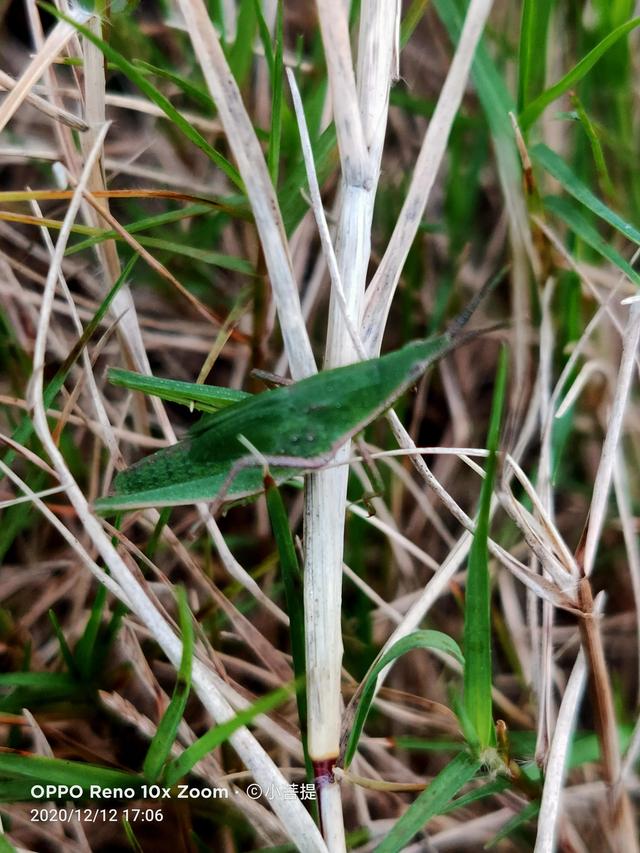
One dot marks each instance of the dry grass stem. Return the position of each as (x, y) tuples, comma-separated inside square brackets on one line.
[(303, 184)]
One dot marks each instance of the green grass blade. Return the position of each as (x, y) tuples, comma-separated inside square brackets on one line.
[(65, 651), (138, 78), (604, 179), (206, 398), (5, 845), (277, 83), (200, 96), (265, 37), (154, 541), (58, 771), (532, 55), (219, 18), (182, 765), (477, 616), (415, 640), (562, 172), (115, 623), (536, 107), (293, 203), (37, 690), (41, 680), (494, 97), (566, 211), (524, 816), (430, 802), (240, 57), (216, 259), (411, 20), (158, 221), (131, 837), (85, 647), (497, 786), (292, 579), (16, 791), (100, 235), (164, 738)]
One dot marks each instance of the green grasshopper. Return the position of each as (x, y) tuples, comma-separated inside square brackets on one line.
[(295, 428)]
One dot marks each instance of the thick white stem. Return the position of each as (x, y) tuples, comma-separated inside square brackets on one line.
[(325, 498)]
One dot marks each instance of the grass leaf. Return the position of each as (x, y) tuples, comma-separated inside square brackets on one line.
[(477, 617), (240, 56), (58, 771), (430, 802), (576, 221), (180, 766), (41, 680), (84, 652), (216, 259), (164, 738), (131, 836), (496, 786), (158, 221), (532, 53), (292, 579), (524, 816), (36, 690), (293, 202), (277, 83), (415, 640), (65, 651), (604, 179), (537, 106), (265, 37), (562, 172), (411, 20), (200, 96)]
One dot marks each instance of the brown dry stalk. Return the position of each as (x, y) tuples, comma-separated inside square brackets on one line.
[(622, 819)]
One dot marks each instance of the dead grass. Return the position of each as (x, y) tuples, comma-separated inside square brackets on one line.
[(385, 548)]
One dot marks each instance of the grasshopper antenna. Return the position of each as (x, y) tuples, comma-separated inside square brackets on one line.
[(453, 329)]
